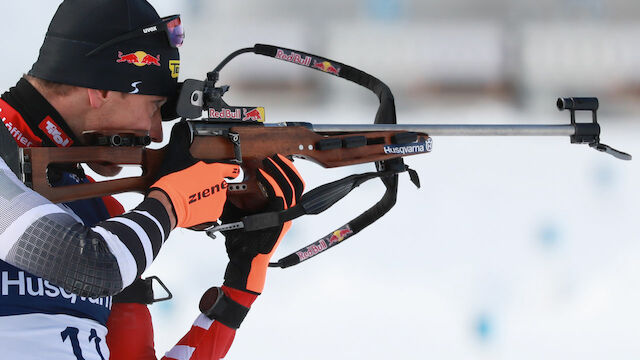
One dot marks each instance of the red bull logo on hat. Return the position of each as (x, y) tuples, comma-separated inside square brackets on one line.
[(139, 58), (326, 66)]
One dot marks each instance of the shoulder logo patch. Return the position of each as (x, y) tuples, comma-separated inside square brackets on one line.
[(55, 133)]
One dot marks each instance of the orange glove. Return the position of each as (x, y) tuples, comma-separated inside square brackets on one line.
[(250, 251), (197, 190)]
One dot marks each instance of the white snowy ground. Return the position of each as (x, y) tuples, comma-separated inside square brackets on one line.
[(514, 248)]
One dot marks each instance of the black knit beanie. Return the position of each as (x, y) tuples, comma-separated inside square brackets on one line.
[(143, 65)]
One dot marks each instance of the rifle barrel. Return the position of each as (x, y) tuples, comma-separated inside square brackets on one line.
[(454, 130)]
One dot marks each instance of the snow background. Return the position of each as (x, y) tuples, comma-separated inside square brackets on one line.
[(513, 248)]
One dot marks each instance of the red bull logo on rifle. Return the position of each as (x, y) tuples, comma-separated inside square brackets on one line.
[(327, 67), (255, 114), (139, 58), (224, 114)]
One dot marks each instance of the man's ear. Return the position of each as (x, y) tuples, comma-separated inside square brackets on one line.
[(97, 98)]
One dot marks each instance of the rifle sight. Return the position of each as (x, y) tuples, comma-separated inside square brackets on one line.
[(578, 103)]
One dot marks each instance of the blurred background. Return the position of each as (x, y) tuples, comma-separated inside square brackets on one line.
[(520, 248)]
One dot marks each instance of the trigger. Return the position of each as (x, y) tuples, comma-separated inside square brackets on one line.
[(413, 175)]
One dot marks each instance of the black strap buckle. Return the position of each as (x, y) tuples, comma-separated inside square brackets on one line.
[(141, 292), (164, 287)]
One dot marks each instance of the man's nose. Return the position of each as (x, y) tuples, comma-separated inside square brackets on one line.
[(156, 127)]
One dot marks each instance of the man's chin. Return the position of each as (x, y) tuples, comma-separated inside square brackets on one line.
[(105, 168)]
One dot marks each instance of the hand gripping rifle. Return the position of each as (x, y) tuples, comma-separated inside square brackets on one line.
[(238, 134)]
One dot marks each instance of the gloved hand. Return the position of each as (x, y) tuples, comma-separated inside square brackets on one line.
[(197, 190), (250, 252)]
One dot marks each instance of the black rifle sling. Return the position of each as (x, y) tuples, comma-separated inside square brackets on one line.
[(387, 170), (386, 114), (312, 203)]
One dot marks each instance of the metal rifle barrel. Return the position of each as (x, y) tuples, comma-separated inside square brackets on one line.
[(453, 130)]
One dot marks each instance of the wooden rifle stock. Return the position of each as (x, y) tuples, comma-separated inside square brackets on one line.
[(37, 160), (212, 143)]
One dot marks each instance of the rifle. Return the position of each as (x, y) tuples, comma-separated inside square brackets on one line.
[(239, 135)]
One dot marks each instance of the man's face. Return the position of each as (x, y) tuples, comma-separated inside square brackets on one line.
[(131, 112), (122, 112)]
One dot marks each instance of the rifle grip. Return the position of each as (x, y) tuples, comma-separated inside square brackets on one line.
[(247, 195)]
